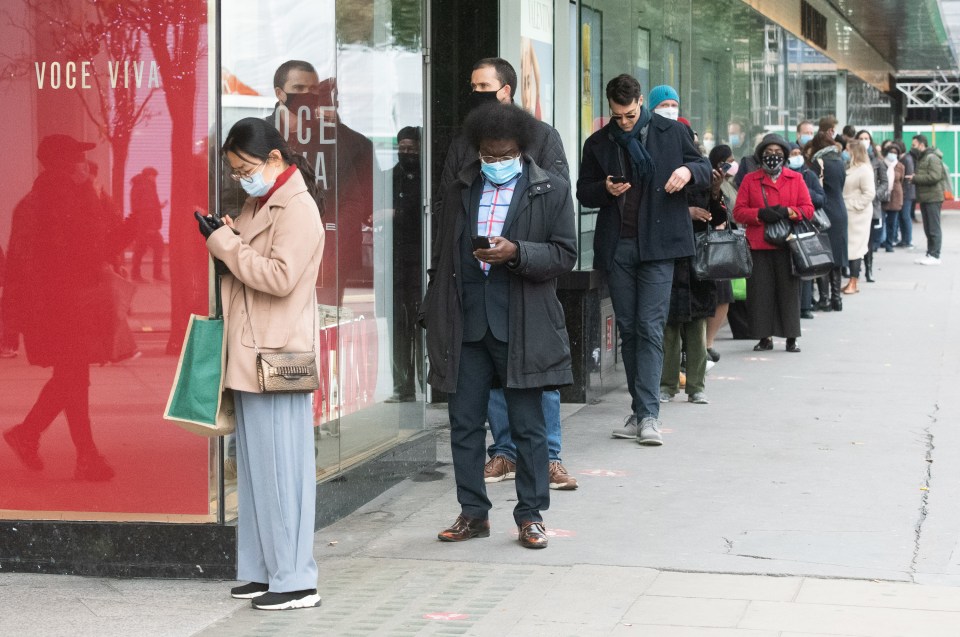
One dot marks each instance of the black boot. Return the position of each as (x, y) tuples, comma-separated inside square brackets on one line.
[(868, 266), (836, 300), (823, 289)]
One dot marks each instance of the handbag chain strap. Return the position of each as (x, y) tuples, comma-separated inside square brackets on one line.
[(253, 335)]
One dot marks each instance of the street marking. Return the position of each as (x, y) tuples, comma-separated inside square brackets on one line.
[(604, 473), (446, 617)]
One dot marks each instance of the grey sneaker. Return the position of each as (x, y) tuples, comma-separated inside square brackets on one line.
[(699, 398), (665, 397), (650, 432), (629, 429)]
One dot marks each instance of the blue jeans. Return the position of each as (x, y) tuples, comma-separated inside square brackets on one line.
[(500, 425), (640, 292), (891, 222), (906, 222)]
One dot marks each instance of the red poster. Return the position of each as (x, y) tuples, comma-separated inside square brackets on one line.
[(106, 110)]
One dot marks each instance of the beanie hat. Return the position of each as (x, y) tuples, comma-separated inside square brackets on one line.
[(661, 93)]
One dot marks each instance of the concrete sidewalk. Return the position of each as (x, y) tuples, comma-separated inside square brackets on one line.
[(816, 495)]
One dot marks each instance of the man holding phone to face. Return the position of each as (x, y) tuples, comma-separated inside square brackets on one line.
[(642, 226)]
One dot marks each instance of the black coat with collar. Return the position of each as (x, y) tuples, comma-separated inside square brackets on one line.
[(541, 222), (663, 229)]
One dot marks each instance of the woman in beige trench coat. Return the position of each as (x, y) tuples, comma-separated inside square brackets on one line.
[(858, 193)]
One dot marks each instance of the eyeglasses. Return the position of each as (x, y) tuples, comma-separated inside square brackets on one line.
[(489, 159), (628, 116), (248, 176)]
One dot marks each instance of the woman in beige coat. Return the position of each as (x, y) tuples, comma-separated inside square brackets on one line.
[(858, 193), (272, 253)]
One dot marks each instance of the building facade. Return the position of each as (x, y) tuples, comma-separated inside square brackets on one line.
[(136, 97)]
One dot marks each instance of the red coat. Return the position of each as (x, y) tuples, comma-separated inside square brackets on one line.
[(789, 190)]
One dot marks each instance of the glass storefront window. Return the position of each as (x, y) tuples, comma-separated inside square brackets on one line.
[(343, 83), (106, 111)]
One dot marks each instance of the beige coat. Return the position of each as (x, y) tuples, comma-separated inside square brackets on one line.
[(858, 193), (276, 257)]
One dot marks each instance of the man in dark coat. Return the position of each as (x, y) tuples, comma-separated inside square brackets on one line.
[(146, 213), (634, 170), (495, 80), (492, 315)]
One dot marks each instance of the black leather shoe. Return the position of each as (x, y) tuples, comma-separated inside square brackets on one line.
[(764, 344), (806, 314), (533, 535), (465, 528), (792, 346), (836, 305)]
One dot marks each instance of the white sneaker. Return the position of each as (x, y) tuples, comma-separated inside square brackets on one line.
[(927, 260), (710, 365)]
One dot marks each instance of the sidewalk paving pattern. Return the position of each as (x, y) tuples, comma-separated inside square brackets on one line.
[(816, 495)]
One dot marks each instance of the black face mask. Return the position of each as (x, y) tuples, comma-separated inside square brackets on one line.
[(476, 98), (410, 162), (295, 101), (772, 163)]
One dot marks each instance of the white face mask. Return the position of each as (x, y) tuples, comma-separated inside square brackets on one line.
[(795, 162), (865, 143), (670, 112), (892, 158), (708, 144)]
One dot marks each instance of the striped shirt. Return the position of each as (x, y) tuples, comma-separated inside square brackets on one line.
[(494, 204)]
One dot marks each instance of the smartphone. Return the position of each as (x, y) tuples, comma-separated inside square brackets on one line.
[(724, 167), (480, 243), (618, 179)]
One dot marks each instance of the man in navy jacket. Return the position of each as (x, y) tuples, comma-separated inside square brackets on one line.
[(634, 170)]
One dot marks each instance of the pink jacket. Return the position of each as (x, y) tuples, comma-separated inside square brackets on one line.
[(276, 258)]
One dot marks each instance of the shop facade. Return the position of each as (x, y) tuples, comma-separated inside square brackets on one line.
[(115, 112)]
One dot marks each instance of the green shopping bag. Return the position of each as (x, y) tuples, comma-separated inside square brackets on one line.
[(198, 402), (739, 289)]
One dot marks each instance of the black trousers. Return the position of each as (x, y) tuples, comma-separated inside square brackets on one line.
[(773, 296), (480, 363)]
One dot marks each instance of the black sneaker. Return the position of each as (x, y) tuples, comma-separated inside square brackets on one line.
[(249, 591), (713, 354), (287, 601)]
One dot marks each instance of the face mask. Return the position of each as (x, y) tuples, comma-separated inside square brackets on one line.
[(796, 162), (772, 163), (476, 98), (892, 158), (295, 101), (500, 172), (670, 112), (708, 144), (256, 186), (409, 161), (845, 155), (734, 140), (805, 139), (734, 168), (866, 144)]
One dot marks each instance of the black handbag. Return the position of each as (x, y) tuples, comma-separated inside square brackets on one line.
[(820, 220), (722, 255), (811, 255), (776, 233)]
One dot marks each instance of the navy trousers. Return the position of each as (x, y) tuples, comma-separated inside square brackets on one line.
[(480, 363)]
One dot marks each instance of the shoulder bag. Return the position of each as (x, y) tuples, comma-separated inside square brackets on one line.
[(810, 253), (285, 372), (776, 233), (722, 255)]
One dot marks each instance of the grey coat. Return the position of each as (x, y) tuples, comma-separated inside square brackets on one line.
[(543, 227)]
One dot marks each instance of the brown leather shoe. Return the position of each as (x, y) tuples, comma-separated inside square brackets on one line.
[(533, 535), (465, 528)]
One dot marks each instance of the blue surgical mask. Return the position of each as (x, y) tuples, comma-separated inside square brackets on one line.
[(734, 140), (845, 155), (255, 185), (500, 172), (805, 139), (796, 162), (893, 157)]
